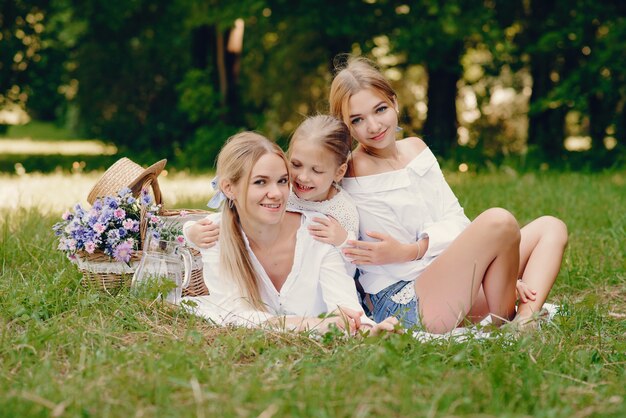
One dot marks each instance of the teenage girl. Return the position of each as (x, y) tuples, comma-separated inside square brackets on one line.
[(420, 257)]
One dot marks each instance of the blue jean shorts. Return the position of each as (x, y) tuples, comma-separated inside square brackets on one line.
[(397, 300)]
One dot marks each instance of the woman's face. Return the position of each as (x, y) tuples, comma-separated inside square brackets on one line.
[(372, 120), (313, 170), (268, 190)]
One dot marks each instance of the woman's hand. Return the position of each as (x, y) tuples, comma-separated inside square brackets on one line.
[(328, 231), (204, 233), (524, 293), (387, 250)]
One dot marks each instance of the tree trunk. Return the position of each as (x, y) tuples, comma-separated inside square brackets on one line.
[(210, 52), (546, 127), (440, 127)]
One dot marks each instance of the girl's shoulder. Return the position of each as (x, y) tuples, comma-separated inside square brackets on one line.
[(411, 146)]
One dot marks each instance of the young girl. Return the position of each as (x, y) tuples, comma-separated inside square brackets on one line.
[(318, 154), (266, 268), (420, 257)]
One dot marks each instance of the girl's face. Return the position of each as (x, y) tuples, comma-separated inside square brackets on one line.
[(313, 170), (268, 190), (372, 120)]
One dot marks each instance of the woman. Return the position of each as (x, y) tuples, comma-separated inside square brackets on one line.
[(267, 269), (420, 257)]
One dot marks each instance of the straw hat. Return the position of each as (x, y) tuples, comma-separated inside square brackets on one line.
[(127, 173)]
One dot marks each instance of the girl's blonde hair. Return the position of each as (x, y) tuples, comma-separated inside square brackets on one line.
[(329, 131), (356, 74), (234, 164)]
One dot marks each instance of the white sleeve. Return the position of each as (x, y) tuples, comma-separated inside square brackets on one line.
[(450, 224), (350, 267), (338, 288), (224, 305)]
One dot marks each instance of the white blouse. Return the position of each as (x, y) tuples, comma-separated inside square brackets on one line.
[(406, 204), (341, 207), (318, 283)]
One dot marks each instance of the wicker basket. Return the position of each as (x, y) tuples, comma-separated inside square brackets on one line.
[(106, 274)]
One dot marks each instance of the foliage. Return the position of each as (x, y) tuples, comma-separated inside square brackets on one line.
[(75, 352), (21, 22), (161, 79)]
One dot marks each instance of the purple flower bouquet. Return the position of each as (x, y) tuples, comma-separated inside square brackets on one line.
[(105, 239)]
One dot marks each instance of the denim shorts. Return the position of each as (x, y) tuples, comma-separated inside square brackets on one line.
[(397, 300)]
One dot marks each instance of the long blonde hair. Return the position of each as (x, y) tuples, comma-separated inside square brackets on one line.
[(329, 131), (234, 164), (357, 74)]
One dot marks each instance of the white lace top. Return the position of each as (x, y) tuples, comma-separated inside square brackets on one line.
[(340, 206)]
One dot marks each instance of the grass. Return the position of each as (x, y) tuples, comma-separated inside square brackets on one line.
[(74, 352), (39, 130)]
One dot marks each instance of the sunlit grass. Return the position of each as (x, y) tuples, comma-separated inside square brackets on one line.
[(74, 352), (38, 130), (30, 147), (53, 193)]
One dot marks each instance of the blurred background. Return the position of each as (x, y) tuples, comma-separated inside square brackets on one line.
[(523, 84)]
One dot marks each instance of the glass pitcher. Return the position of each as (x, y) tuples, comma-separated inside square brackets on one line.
[(165, 267)]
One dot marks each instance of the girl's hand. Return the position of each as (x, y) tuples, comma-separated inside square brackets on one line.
[(387, 250), (388, 325), (328, 231), (524, 293), (204, 233), (351, 316)]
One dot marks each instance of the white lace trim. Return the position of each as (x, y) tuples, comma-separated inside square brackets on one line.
[(341, 207), (405, 296)]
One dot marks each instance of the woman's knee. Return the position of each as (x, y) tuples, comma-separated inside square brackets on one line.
[(554, 230), (501, 222)]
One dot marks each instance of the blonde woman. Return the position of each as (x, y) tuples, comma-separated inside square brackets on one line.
[(267, 269), (420, 257)]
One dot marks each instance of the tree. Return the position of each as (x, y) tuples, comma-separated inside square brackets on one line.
[(21, 25), (435, 34)]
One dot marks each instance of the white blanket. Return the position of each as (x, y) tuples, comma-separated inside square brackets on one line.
[(476, 331)]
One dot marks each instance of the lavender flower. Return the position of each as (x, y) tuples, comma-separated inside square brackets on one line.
[(123, 252), (99, 228), (125, 191), (119, 213), (145, 197), (90, 247)]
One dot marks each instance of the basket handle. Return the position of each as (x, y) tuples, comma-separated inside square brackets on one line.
[(150, 181)]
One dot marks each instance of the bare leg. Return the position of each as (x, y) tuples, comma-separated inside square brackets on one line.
[(487, 254), (538, 269), (541, 251), (480, 309)]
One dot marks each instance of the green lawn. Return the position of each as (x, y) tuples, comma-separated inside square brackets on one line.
[(67, 351), (38, 130)]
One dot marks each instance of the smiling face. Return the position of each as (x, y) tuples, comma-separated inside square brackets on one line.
[(265, 200), (372, 119), (313, 169)]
